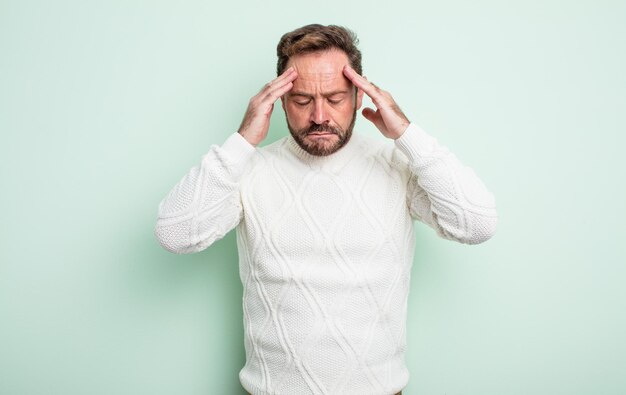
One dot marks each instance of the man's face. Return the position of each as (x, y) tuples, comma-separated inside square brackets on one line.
[(321, 106)]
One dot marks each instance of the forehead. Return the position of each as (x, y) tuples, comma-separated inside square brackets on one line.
[(319, 70)]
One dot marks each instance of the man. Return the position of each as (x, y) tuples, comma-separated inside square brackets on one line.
[(325, 221)]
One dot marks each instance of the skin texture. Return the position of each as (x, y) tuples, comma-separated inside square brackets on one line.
[(388, 117), (322, 104), (317, 92)]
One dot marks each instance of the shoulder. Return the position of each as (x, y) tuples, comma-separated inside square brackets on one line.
[(380, 149), (368, 145), (273, 148)]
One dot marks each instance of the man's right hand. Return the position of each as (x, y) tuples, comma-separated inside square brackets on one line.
[(256, 122)]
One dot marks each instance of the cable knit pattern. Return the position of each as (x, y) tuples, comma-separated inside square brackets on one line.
[(325, 247)]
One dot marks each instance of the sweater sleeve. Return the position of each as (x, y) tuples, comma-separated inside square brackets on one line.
[(205, 204), (444, 193)]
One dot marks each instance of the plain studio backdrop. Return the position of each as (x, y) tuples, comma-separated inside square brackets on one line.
[(105, 105)]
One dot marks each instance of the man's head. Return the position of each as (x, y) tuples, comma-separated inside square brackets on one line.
[(321, 106)]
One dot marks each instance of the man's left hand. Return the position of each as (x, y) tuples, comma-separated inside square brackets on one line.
[(388, 117)]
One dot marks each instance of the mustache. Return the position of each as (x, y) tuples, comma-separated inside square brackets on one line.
[(320, 128)]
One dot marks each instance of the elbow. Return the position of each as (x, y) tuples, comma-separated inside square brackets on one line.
[(166, 242), (478, 229), (172, 241), (484, 228), (179, 238)]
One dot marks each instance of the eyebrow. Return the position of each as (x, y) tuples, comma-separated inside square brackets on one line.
[(326, 94)]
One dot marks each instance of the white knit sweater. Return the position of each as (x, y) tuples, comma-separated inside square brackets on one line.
[(325, 250)]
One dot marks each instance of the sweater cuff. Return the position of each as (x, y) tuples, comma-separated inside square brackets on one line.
[(416, 143), (234, 153), (237, 148)]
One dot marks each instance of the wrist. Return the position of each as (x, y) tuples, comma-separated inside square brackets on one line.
[(251, 140), (400, 131)]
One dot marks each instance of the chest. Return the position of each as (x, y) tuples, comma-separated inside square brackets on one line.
[(301, 211)]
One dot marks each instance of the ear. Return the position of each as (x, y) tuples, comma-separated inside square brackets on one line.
[(359, 98)]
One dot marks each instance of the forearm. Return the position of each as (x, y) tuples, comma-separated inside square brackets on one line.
[(444, 193), (205, 204)]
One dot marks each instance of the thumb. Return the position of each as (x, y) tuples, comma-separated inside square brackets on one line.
[(369, 113), (374, 117)]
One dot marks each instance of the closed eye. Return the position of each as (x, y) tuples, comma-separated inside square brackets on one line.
[(336, 98)]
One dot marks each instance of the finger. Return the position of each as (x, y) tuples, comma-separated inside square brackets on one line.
[(266, 103), (288, 75), (279, 91), (281, 85), (374, 117), (361, 82), (271, 93)]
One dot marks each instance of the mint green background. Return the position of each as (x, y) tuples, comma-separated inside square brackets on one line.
[(104, 106)]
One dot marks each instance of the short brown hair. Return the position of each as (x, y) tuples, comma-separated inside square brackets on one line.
[(315, 37)]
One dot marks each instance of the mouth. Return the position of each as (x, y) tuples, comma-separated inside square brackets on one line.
[(320, 133)]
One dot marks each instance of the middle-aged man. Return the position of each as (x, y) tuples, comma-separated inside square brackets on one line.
[(324, 221)]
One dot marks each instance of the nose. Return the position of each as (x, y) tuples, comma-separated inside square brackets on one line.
[(319, 114)]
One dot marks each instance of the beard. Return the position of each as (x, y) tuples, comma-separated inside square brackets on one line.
[(321, 146)]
